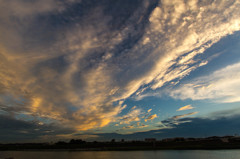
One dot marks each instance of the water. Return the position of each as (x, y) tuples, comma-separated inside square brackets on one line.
[(168, 154)]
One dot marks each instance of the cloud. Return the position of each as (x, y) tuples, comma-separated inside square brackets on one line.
[(185, 48), (132, 116), (23, 8), (193, 42), (134, 107), (187, 107), (135, 127), (182, 116), (128, 127), (18, 130), (222, 114), (220, 86), (71, 61), (198, 127), (219, 123), (172, 122), (151, 117)]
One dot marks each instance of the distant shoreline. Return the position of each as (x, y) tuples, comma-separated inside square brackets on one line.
[(78, 150), (209, 143)]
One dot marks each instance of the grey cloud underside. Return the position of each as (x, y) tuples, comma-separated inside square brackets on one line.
[(73, 61), (13, 130), (221, 125)]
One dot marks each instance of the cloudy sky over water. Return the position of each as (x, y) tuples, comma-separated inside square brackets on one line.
[(103, 69)]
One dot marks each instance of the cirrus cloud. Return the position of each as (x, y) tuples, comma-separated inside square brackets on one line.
[(72, 62), (187, 107), (220, 86)]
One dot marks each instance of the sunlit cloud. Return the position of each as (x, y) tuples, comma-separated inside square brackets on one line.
[(149, 110), (78, 69), (151, 117), (187, 107), (134, 107), (132, 116)]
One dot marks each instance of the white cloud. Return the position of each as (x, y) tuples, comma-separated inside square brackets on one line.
[(196, 40), (220, 86), (190, 28)]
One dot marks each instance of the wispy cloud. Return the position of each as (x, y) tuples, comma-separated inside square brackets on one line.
[(149, 110), (189, 127), (184, 115), (132, 116), (137, 127), (187, 107), (220, 86), (151, 117), (73, 68), (176, 120), (134, 107)]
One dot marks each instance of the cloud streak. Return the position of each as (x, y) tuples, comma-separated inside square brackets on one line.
[(182, 116), (220, 86), (151, 117), (187, 107)]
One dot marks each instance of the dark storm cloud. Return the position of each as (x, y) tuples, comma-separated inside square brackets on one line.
[(14, 130)]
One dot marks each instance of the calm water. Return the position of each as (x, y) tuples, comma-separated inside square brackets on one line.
[(171, 154)]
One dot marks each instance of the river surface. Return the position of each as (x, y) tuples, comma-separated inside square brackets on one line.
[(161, 154)]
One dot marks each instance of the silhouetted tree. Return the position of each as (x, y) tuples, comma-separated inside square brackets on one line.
[(78, 141), (61, 143)]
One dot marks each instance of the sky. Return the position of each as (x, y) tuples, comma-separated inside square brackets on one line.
[(104, 69)]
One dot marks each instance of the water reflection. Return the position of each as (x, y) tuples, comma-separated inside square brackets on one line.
[(169, 154)]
